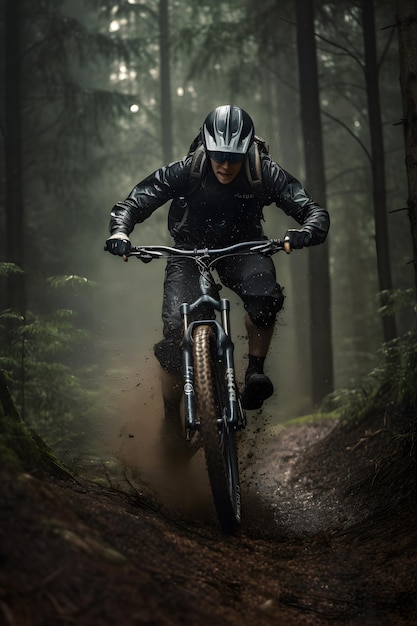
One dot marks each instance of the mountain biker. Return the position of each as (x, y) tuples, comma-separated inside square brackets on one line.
[(216, 203)]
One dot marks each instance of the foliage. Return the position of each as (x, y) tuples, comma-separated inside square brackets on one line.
[(396, 300), (395, 378), (401, 369), (39, 359), (9, 268), (71, 280)]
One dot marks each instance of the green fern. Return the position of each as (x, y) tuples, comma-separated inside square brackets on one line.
[(71, 280), (9, 268), (38, 354), (395, 372)]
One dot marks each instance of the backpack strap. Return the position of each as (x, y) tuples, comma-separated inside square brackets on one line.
[(198, 162), (253, 166), (253, 163)]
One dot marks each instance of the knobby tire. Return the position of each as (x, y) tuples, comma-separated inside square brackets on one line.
[(219, 440)]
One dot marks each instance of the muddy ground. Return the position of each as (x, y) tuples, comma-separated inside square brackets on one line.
[(328, 537)]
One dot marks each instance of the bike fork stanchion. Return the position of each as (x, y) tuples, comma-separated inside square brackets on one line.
[(234, 417), (225, 313), (188, 374)]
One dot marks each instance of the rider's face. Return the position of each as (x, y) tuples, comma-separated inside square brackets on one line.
[(225, 172)]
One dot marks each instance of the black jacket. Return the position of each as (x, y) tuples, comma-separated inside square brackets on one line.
[(208, 213)]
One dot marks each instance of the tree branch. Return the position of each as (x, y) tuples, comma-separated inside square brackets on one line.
[(362, 145)]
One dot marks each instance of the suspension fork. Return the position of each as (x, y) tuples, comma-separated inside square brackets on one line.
[(225, 351)]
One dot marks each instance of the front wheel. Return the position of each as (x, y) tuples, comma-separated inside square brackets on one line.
[(218, 435)]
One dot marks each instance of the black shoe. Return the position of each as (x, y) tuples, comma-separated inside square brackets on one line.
[(258, 387)]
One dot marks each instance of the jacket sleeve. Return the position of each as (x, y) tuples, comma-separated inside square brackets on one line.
[(148, 195), (289, 194)]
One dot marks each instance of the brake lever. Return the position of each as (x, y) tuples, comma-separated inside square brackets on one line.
[(145, 257), (270, 248)]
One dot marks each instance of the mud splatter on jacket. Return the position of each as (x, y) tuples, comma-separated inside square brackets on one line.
[(212, 214)]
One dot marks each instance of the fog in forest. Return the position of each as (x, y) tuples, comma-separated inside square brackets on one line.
[(116, 104)]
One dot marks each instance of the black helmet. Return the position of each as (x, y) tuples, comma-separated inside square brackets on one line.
[(228, 130)]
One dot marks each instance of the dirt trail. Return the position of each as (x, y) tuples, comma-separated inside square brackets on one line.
[(310, 552)]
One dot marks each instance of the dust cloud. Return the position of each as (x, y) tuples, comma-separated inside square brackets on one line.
[(128, 304)]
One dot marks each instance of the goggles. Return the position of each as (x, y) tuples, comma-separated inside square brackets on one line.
[(230, 157)]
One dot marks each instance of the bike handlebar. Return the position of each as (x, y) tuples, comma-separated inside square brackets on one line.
[(267, 246)]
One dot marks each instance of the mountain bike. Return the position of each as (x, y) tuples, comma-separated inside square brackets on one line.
[(212, 404)]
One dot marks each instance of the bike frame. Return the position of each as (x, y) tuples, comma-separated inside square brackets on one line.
[(206, 260)]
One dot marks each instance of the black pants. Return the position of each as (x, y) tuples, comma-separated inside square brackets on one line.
[(251, 277)]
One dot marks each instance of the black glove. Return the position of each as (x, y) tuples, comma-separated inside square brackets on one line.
[(118, 244), (297, 238)]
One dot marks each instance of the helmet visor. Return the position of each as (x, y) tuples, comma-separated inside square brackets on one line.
[(222, 157)]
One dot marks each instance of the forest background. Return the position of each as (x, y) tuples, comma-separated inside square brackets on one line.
[(97, 95)]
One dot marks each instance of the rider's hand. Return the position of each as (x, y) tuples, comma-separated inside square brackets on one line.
[(295, 239), (119, 244)]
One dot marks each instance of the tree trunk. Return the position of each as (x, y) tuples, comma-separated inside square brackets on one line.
[(166, 103), (320, 310), (378, 162), (406, 13), (13, 157), (297, 304)]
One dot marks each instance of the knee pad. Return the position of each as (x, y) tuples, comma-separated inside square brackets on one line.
[(263, 310)]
